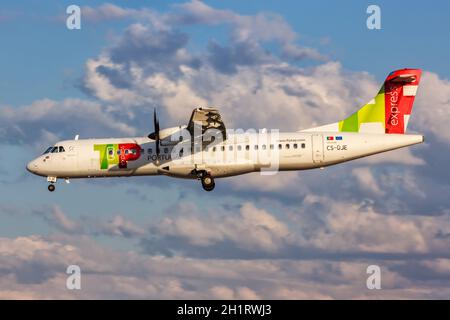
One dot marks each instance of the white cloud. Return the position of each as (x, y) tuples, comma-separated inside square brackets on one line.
[(111, 12), (47, 119), (263, 27), (347, 226), (401, 156), (251, 228), (367, 180), (62, 221), (113, 274), (121, 227), (430, 113)]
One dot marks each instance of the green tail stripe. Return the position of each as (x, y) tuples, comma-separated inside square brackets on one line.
[(371, 112)]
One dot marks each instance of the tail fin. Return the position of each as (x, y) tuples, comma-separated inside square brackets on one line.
[(388, 112)]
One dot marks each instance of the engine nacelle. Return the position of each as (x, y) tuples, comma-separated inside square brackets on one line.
[(173, 135)]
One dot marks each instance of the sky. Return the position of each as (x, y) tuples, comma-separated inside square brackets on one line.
[(264, 64)]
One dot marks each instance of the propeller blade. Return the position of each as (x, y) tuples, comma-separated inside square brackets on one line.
[(155, 135)]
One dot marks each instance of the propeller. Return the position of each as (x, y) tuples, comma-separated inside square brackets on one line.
[(155, 135)]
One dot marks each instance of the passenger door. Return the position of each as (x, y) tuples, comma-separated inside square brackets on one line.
[(317, 148)]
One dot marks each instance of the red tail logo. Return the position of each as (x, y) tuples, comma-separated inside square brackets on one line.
[(400, 90)]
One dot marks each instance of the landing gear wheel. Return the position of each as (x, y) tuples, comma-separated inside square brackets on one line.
[(208, 183), (51, 187)]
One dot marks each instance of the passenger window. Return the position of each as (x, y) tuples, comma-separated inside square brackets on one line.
[(256, 147), (230, 148), (166, 150), (295, 146), (264, 147), (214, 149), (118, 152), (222, 148), (149, 150), (271, 147), (110, 151), (127, 151), (133, 151), (239, 147), (303, 146), (287, 145), (247, 147), (280, 146)]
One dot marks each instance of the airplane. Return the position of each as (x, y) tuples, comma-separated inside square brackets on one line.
[(205, 150)]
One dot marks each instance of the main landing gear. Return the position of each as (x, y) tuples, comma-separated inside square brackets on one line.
[(207, 182), (206, 179)]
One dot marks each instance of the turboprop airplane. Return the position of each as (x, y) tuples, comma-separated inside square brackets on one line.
[(204, 149)]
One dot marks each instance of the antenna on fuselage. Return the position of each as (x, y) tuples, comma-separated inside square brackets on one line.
[(76, 137)]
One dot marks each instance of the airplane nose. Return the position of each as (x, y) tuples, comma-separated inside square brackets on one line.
[(32, 166)]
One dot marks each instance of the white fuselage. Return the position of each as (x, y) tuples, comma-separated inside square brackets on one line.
[(239, 154)]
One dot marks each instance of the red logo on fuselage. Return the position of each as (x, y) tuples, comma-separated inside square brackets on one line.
[(128, 152)]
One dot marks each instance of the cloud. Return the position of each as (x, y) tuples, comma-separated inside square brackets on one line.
[(121, 227), (110, 274), (151, 65), (60, 222), (228, 59), (240, 293), (366, 179), (154, 50), (292, 98), (405, 156), (45, 121), (294, 52), (31, 260), (55, 217), (112, 12), (251, 229), (430, 113), (262, 27), (318, 228), (353, 227), (107, 11)]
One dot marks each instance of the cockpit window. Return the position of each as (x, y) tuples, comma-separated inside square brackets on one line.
[(54, 149)]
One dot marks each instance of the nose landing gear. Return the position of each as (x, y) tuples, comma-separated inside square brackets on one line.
[(51, 187)]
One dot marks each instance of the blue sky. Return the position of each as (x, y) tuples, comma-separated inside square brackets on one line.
[(274, 64)]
